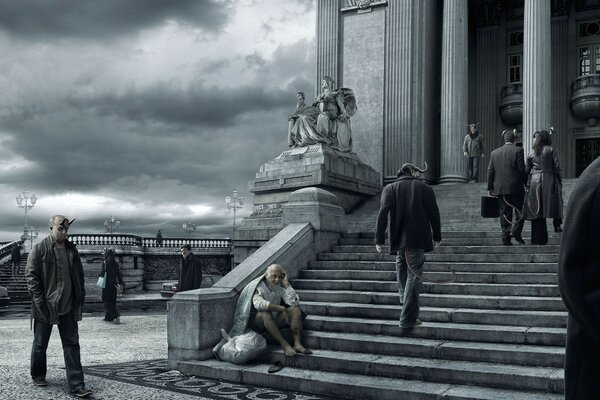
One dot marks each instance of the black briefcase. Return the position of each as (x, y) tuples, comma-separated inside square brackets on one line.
[(490, 207)]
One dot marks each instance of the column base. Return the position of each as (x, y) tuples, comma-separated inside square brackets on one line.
[(452, 179)]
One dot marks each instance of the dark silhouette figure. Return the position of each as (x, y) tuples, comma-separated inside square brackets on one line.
[(579, 283), (15, 255), (113, 284), (190, 271)]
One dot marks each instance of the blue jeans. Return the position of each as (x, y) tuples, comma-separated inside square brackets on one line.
[(473, 168), (69, 336), (409, 286)]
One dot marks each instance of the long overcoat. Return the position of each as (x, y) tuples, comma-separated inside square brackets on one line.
[(506, 170), (414, 214), (579, 283), (543, 197)]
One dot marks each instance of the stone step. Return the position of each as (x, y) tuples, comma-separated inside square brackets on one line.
[(541, 356), (545, 336), (447, 234), (350, 386), (468, 258), (465, 277), (451, 241), (498, 249), (430, 266), (515, 377), (526, 303), (555, 319), (453, 288)]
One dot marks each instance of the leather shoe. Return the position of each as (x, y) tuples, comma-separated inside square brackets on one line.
[(519, 239), (40, 381), (81, 392), (506, 242), (413, 325), (557, 229)]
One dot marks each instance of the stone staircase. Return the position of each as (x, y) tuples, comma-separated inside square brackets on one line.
[(17, 286), (498, 332)]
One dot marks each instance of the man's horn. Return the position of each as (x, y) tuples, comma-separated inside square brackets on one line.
[(421, 170)]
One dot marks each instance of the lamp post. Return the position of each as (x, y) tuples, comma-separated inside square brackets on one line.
[(111, 224), (30, 233), (26, 201), (189, 226), (234, 202)]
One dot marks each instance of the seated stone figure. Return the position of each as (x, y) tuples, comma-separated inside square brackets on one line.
[(327, 121), (302, 124), (276, 305)]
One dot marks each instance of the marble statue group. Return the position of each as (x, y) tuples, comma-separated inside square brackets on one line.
[(326, 121)]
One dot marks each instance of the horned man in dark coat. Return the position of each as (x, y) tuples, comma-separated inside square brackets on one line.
[(579, 283), (414, 214), (506, 180)]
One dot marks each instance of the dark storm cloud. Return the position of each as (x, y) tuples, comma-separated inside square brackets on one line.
[(104, 19), (196, 105)]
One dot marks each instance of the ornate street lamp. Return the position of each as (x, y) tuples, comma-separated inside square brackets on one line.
[(111, 224), (26, 201), (189, 226), (234, 203)]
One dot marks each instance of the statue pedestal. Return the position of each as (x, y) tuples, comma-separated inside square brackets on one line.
[(340, 173)]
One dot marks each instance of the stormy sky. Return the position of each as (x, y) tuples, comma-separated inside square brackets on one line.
[(148, 110)]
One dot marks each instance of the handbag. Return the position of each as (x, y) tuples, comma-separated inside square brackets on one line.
[(490, 207), (101, 283)]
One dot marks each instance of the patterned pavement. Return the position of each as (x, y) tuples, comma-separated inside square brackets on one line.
[(155, 374), (125, 361)]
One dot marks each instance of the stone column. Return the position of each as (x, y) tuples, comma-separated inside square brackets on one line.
[(454, 106), (328, 41), (411, 102), (537, 83)]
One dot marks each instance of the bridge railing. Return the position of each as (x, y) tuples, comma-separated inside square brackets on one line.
[(139, 241), (5, 249)]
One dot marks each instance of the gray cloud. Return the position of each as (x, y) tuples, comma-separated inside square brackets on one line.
[(47, 19), (194, 105)]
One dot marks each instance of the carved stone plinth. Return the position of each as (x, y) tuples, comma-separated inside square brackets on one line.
[(340, 173)]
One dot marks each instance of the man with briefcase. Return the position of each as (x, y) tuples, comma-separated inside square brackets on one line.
[(506, 180)]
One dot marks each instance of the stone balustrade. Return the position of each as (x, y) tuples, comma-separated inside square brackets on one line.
[(511, 104), (585, 98), (139, 241)]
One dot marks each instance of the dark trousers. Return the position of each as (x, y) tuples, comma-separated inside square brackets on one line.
[(473, 168), (582, 369), (109, 297), (409, 286), (511, 228), (69, 336)]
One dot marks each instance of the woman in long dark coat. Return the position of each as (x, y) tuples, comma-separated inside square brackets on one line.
[(113, 279), (543, 198)]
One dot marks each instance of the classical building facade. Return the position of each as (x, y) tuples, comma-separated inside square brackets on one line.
[(422, 70)]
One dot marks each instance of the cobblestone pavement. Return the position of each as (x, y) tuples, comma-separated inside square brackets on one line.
[(140, 337)]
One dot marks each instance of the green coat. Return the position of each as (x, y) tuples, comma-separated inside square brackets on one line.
[(45, 284)]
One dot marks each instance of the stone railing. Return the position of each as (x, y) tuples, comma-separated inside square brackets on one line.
[(6, 248), (139, 241), (511, 104), (585, 98)]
